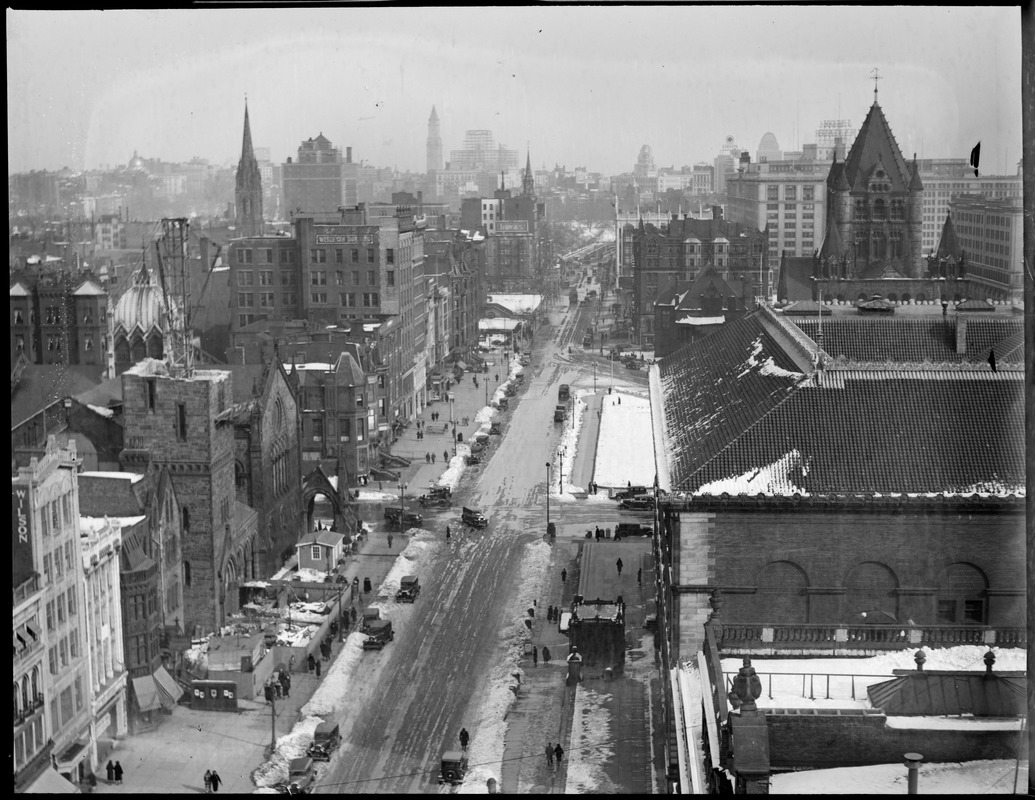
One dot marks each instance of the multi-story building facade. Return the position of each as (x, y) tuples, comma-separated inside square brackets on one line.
[(990, 233), (59, 318), (350, 272), (725, 163), (110, 232), (80, 704), (787, 196), (184, 422), (945, 179), (672, 256), (320, 179)]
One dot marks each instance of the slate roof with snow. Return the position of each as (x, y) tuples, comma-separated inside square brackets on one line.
[(917, 339), (740, 420)]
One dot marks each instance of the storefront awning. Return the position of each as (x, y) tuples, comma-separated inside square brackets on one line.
[(169, 690), (72, 754), (146, 691), (50, 782)]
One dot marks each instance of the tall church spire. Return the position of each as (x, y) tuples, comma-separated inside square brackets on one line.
[(248, 190), (528, 182), (434, 144)]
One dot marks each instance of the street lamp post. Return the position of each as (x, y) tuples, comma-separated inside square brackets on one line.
[(452, 424), (402, 494), (560, 471), (549, 478)]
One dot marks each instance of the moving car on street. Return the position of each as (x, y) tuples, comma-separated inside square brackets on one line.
[(643, 502), (473, 517), (624, 529), (326, 739), (407, 519), (454, 767)]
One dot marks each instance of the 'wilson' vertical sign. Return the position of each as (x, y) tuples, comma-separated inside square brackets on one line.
[(22, 561)]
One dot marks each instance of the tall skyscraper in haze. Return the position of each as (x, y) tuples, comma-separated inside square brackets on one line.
[(248, 192), (434, 143)]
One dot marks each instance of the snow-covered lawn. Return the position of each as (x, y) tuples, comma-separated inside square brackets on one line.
[(625, 448), (971, 777)]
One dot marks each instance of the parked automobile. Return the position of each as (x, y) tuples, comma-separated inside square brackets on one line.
[(495, 430), (301, 774), (471, 460), (525, 360), (560, 413), (454, 767), (409, 588), (632, 364), (379, 634), (624, 529), (408, 519), (503, 403), (435, 500), (370, 616), (473, 517), (644, 502), (631, 491), (326, 739), (564, 392)]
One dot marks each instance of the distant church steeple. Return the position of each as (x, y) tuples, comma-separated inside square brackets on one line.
[(528, 181), (248, 191)]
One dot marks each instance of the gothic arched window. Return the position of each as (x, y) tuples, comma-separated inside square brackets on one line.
[(879, 209)]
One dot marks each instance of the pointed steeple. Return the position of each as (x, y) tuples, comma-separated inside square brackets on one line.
[(948, 244), (434, 115), (915, 184), (528, 182), (874, 142), (248, 191)]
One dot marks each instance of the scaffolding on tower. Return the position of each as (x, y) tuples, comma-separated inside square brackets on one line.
[(175, 283)]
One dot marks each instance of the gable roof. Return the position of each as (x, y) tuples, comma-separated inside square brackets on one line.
[(948, 244), (795, 280), (42, 384), (706, 278), (739, 419), (875, 142)]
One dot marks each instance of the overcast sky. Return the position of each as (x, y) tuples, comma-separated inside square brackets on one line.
[(580, 85)]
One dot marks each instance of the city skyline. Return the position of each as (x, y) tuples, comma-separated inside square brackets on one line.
[(583, 86)]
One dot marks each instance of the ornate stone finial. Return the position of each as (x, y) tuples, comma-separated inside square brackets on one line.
[(747, 686), (920, 658), (989, 661), (876, 77)]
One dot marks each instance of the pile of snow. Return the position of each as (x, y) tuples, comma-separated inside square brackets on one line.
[(489, 730), (329, 699), (373, 496), (310, 575), (485, 414), (451, 477), (971, 777), (296, 636), (569, 446), (777, 479), (591, 746), (289, 746), (625, 446)]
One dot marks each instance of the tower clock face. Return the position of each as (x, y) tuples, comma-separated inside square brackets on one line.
[(729, 140)]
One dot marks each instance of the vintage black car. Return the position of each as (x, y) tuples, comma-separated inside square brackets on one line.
[(496, 429), (326, 739), (409, 588), (471, 460), (397, 516), (624, 529), (301, 774), (454, 767), (379, 633), (435, 501), (644, 502), (473, 517)]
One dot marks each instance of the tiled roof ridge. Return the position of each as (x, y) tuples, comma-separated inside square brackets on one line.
[(929, 370), (804, 345)]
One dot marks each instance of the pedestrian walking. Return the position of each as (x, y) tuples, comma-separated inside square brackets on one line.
[(311, 662), (352, 615), (445, 455), (549, 754), (639, 576), (277, 688), (389, 541), (427, 458), (110, 769), (618, 564), (607, 533), (549, 613), (546, 655), (216, 780), (535, 656), (564, 575), (447, 533), (208, 781), (464, 737), (285, 683), (317, 669), (118, 773), (558, 753)]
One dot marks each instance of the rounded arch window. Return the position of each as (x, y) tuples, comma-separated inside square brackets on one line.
[(962, 595)]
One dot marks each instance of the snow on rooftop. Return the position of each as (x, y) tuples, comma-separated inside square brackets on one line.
[(688, 320), (104, 412), (132, 477), (776, 479), (314, 366), (625, 446), (516, 303), (970, 777)]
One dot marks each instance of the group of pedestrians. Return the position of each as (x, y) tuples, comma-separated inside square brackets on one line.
[(554, 752), (114, 772), (429, 458), (212, 781), (420, 429), (314, 665), (535, 655), (277, 685)]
